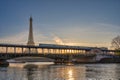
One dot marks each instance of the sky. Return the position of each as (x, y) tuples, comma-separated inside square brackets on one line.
[(69, 22)]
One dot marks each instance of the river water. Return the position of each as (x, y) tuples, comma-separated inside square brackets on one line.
[(20, 71)]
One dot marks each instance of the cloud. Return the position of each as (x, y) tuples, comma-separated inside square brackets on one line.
[(58, 40), (19, 38)]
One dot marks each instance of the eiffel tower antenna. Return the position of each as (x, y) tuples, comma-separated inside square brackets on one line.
[(30, 38)]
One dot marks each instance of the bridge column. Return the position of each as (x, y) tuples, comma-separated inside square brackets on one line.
[(36, 50), (29, 50), (22, 50), (60, 51), (54, 51), (0, 49), (83, 51), (74, 51), (77, 51), (70, 51), (43, 51), (6, 50), (14, 50), (49, 51), (65, 51)]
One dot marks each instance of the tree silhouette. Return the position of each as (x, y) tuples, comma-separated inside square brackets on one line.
[(116, 43)]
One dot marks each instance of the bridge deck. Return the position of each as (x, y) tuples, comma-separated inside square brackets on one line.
[(8, 51)]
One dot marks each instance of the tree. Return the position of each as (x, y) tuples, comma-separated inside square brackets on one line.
[(116, 43)]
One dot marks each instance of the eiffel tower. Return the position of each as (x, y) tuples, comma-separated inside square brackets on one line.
[(31, 38)]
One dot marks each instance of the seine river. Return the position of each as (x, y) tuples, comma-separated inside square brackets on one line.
[(60, 72)]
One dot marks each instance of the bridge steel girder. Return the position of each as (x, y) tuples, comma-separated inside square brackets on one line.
[(52, 56)]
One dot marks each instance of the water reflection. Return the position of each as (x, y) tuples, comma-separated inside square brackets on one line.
[(54, 72), (103, 71), (17, 65), (61, 72), (70, 75), (30, 71)]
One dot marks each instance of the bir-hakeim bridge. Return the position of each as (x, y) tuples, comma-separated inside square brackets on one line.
[(60, 53)]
